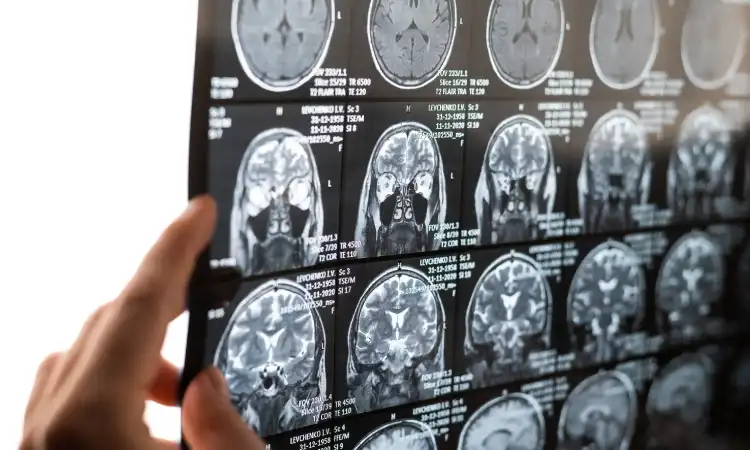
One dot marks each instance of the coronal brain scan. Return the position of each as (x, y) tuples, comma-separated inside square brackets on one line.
[(524, 40), (403, 193), (517, 182), (281, 43), (600, 413), (508, 317), (615, 172), (714, 37), (683, 388), (701, 168), (411, 40), (277, 212), (690, 282), (624, 41), (514, 421), (606, 298), (400, 434), (272, 354), (395, 337)]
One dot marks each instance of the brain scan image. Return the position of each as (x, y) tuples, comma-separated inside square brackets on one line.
[(517, 182), (624, 41), (714, 37), (690, 283), (396, 335), (701, 168), (508, 317), (524, 40), (411, 40), (599, 414), (606, 300), (401, 434), (683, 389), (281, 43), (511, 422), (272, 355), (403, 193), (615, 172), (277, 212)]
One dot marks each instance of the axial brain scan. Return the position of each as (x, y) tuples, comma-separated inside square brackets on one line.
[(403, 193), (714, 37), (508, 317), (411, 40), (690, 282), (606, 299), (600, 413), (400, 434), (281, 43), (615, 173), (624, 41), (517, 182), (514, 421), (684, 389), (701, 168), (272, 354), (395, 337), (277, 213), (524, 40)]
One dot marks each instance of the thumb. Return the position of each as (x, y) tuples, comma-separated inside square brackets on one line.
[(210, 421)]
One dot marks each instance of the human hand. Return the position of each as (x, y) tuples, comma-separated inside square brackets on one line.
[(93, 395)]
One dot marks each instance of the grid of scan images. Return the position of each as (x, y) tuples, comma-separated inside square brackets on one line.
[(481, 224)]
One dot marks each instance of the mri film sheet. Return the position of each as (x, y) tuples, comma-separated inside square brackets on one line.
[(274, 344), (395, 325), (272, 50), (504, 315), (402, 178), (514, 174), (612, 167), (274, 172), (519, 49), (406, 48)]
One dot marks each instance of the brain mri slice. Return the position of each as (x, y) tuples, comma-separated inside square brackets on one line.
[(713, 44), (701, 168), (411, 40), (272, 354), (514, 421), (599, 414), (606, 300), (277, 211), (524, 40), (282, 43), (403, 193), (517, 182), (396, 335), (624, 41), (690, 282), (615, 172), (508, 317), (403, 434)]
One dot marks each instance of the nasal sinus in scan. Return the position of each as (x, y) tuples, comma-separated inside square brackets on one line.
[(395, 324), (274, 171)]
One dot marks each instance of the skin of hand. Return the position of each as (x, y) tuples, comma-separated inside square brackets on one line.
[(93, 395)]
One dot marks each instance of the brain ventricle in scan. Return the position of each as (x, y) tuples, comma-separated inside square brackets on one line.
[(399, 434), (524, 40), (411, 40), (683, 388), (624, 40), (514, 421), (280, 44)]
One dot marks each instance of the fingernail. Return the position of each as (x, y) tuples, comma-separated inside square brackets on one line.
[(216, 381)]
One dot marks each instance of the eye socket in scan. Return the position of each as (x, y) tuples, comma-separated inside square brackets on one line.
[(683, 389), (513, 421), (399, 434)]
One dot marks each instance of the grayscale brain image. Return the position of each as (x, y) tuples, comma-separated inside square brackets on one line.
[(524, 40), (411, 40), (404, 434), (624, 41), (513, 421)]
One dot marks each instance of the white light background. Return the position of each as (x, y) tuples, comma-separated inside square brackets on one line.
[(95, 102)]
